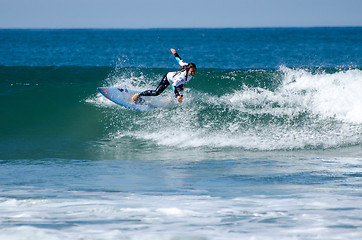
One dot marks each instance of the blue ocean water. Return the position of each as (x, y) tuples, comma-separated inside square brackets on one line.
[(266, 145)]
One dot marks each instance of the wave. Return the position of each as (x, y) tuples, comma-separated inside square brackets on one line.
[(257, 109), (254, 110)]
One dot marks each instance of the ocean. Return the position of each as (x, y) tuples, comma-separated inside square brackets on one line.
[(266, 145)]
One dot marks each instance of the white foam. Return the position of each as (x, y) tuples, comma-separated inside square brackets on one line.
[(330, 95), (137, 216), (336, 95)]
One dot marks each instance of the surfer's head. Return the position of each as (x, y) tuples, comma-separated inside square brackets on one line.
[(191, 69)]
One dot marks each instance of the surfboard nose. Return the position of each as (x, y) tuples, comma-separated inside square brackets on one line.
[(104, 92)]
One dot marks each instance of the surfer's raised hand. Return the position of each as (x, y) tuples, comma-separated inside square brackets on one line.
[(173, 51)]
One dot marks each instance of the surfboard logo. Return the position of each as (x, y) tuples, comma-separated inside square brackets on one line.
[(122, 90), (105, 92)]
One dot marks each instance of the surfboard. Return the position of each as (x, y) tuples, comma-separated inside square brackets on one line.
[(123, 97)]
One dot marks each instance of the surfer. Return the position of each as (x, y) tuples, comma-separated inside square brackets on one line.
[(177, 80)]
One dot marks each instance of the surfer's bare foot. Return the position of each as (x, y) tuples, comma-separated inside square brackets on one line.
[(135, 97)]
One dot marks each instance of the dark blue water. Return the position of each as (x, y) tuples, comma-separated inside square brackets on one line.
[(210, 48), (266, 145)]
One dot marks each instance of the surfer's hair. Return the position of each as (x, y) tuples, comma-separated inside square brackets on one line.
[(191, 65), (188, 66)]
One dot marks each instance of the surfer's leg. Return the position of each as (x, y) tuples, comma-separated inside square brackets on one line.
[(160, 88)]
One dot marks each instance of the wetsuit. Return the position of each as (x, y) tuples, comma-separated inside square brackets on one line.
[(177, 80)]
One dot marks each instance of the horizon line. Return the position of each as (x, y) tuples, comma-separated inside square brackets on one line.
[(168, 28)]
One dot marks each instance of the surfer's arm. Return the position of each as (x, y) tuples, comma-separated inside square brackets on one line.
[(177, 90), (178, 58)]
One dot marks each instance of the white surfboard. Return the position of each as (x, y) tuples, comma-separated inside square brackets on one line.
[(123, 97)]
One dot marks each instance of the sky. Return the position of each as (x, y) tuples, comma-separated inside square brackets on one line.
[(179, 14)]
